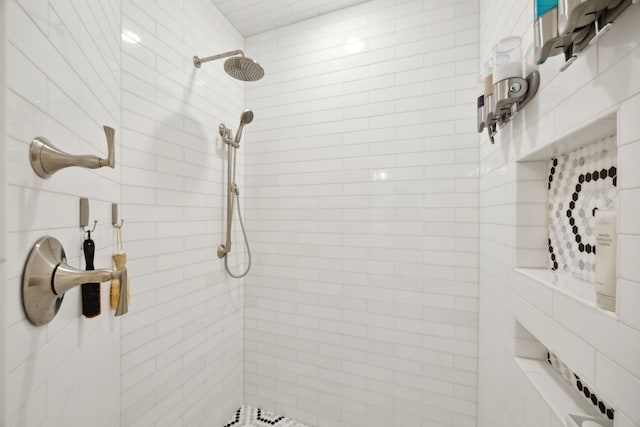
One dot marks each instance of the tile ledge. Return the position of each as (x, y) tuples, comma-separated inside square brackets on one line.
[(576, 289), (551, 388)]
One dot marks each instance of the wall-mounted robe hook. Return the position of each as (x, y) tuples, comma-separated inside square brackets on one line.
[(84, 212), (46, 159), (95, 223), (115, 216), (84, 217)]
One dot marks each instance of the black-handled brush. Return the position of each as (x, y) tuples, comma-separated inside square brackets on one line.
[(90, 291)]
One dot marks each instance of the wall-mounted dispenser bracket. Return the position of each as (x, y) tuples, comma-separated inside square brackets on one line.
[(578, 25), (46, 159), (604, 22), (509, 97), (508, 92), (47, 277), (533, 80), (481, 116)]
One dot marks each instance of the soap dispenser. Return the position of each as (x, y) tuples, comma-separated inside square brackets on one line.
[(488, 92), (509, 86), (574, 14), (480, 105), (547, 40)]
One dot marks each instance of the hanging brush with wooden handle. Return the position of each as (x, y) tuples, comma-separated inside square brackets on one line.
[(120, 262)]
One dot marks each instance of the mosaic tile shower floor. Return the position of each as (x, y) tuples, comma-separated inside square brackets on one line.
[(248, 416)]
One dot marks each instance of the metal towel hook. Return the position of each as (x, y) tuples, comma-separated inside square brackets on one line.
[(118, 228), (95, 223)]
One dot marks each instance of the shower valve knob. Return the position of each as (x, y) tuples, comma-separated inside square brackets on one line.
[(47, 277)]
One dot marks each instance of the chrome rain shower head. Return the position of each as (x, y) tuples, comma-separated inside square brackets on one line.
[(239, 67), (243, 68), (245, 119)]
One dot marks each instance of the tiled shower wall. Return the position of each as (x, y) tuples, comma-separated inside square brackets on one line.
[(63, 77), (601, 348), (3, 277), (182, 342), (176, 358), (362, 210)]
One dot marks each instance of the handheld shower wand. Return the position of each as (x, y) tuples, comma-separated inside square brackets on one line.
[(232, 189), (245, 119)]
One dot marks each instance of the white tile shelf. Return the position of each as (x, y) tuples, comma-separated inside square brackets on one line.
[(531, 349), (552, 389), (576, 289), (575, 420), (561, 313)]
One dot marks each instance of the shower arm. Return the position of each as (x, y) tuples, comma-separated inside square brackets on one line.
[(198, 61)]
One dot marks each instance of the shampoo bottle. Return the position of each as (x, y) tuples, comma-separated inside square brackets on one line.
[(606, 243), (488, 92)]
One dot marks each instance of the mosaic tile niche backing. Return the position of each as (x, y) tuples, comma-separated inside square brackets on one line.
[(580, 182), (595, 404)]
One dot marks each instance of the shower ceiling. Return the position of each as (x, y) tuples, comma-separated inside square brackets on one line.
[(256, 16)]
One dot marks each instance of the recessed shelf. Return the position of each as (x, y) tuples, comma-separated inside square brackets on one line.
[(559, 187), (586, 134), (552, 389), (576, 289), (563, 390)]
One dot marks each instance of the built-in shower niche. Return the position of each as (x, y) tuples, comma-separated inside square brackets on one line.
[(559, 188), (566, 391)]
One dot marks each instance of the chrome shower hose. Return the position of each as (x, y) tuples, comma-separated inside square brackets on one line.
[(244, 233), (246, 242)]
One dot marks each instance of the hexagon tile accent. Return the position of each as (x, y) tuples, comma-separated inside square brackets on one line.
[(580, 182), (597, 406), (249, 416)]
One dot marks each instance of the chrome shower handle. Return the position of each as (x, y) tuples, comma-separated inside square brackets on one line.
[(47, 277), (64, 277), (46, 159)]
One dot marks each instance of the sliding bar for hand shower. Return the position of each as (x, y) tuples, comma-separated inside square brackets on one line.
[(227, 138), (232, 190)]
